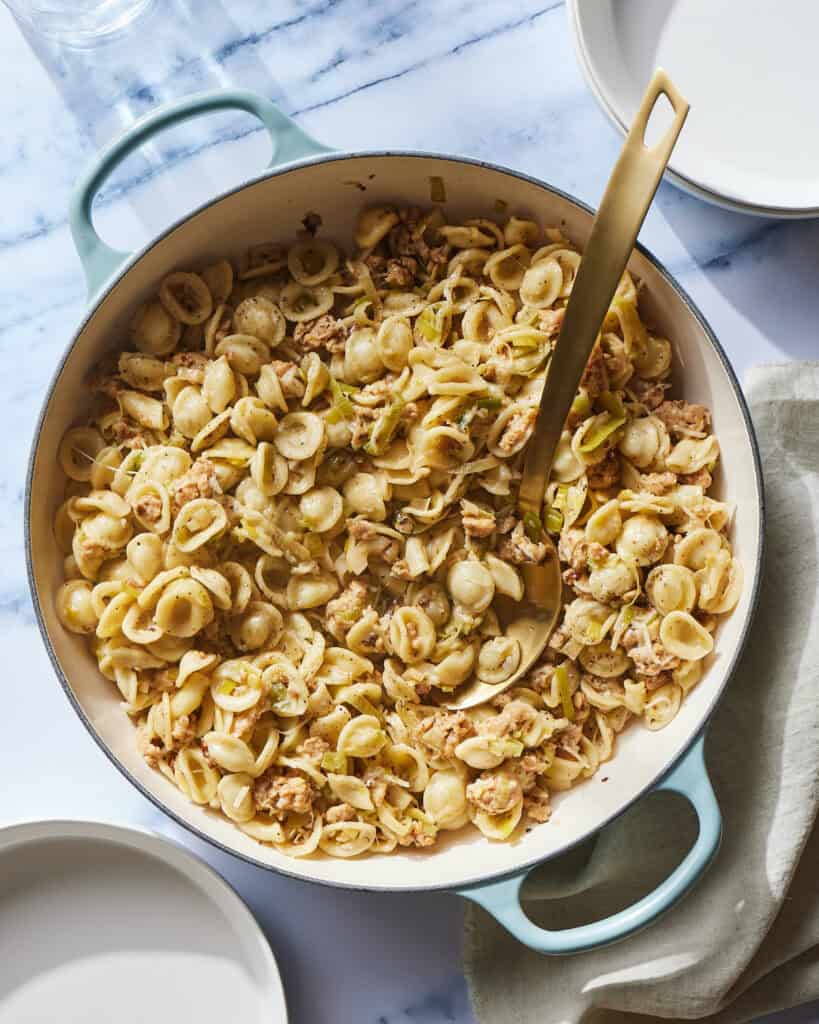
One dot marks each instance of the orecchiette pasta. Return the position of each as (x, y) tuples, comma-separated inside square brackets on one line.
[(184, 609), (719, 583), (198, 522), (445, 799), (261, 318), (671, 588), (643, 538), (683, 636), (321, 509), (75, 607), (290, 521), (471, 585), (644, 441), (154, 330), (235, 792), (186, 297)]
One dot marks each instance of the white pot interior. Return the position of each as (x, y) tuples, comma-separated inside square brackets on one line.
[(273, 208)]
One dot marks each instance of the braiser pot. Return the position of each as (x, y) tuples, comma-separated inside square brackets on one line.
[(304, 176)]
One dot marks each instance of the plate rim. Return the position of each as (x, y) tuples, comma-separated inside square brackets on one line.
[(682, 181), (155, 846)]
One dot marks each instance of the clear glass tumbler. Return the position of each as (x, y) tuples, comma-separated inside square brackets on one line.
[(78, 23)]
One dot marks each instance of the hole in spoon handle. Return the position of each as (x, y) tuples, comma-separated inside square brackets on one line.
[(660, 85)]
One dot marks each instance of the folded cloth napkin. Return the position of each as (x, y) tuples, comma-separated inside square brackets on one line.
[(746, 940)]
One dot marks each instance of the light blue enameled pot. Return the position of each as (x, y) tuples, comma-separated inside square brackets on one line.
[(305, 176)]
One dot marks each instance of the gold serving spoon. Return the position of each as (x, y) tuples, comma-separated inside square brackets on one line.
[(627, 198)]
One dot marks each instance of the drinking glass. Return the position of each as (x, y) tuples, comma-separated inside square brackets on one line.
[(78, 23), (171, 49)]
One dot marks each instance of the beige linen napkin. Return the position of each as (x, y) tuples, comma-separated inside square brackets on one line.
[(746, 940)]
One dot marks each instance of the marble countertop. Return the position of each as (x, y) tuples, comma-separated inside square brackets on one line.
[(483, 78)]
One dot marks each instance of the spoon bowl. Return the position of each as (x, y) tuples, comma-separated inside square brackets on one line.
[(529, 621)]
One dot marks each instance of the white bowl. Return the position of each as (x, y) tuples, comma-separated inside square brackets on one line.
[(114, 923), (750, 75)]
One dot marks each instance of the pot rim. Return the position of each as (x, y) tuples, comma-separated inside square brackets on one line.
[(99, 297)]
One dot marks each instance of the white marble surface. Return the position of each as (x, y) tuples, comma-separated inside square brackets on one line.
[(489, 79)]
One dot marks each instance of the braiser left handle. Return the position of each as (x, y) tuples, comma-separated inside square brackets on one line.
[(99, 260)]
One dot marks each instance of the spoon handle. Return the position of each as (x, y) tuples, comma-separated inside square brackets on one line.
[(627, 198)]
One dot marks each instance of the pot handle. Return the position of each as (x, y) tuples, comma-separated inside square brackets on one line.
[(502, 899), (100, 260)]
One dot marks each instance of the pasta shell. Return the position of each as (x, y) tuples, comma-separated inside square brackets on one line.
[(186, 297), (312, 261), (299, 435), (219, 279), (78, 451), (347, 838), (373, 224), (261, 318), (299, 302), (684, 637), (154, 330)]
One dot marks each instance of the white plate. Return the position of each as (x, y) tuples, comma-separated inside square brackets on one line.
[(100, 923), (749, 71)]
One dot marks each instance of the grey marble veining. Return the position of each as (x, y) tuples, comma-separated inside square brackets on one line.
[(489, 79)]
